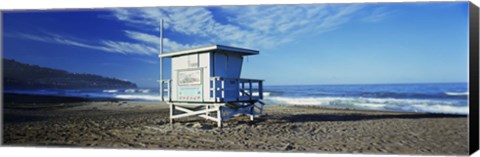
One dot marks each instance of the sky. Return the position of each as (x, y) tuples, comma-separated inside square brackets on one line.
[(365, 43)]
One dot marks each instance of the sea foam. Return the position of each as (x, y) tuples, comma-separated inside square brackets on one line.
[(389, 104), (140, 97), (456, 93), (110, 91)]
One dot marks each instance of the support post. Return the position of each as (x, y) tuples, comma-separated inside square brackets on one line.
[(168, 91), (243, 88), (223, 88), (206, 108), (219, 116), (261, 109), (260, 89), (172, 109), (252, 112), (250, 89), (214, 89)]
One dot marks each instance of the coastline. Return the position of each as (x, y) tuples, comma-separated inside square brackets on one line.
[(135, 124)]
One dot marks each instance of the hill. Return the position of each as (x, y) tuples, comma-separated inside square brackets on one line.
[(18, 75)]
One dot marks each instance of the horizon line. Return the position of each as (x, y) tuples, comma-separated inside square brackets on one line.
[(397, 83)]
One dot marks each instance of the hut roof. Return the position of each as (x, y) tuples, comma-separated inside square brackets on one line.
[(216, 48)]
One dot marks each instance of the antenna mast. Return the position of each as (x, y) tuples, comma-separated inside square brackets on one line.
[(161, 59)]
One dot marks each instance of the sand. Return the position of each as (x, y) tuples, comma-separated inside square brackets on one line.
[(145, 125)]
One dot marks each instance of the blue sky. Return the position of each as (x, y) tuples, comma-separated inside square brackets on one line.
[(299, 44)]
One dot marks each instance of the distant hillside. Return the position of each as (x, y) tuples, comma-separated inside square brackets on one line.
[(18, 75)]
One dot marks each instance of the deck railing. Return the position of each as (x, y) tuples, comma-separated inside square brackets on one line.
[(223, 89), (235, 89), (166, 90)]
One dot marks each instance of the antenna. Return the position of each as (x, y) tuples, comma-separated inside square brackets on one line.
[(161, 36), (161, 59)]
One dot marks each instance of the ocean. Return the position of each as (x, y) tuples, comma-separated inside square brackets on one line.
[(426, 97), (429, 98)]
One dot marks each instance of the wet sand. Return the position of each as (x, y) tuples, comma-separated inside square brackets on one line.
[(145, 125)]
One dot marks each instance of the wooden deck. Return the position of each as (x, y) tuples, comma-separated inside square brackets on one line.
[(242, 90)]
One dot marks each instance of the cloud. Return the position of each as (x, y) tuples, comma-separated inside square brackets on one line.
[(377, 15), (246, 26), (148, 61), (147, 38), (256, 27), (169, 45), (146, 44), (128, 48), (105, 45), (54, 38)]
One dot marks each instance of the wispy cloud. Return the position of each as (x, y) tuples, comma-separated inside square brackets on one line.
[(148, 61), (251, 27), (147, 38), (256, 27), (54, 38), (169, 45), (128, 47), (145, 45), (103, 45), (377, 15)]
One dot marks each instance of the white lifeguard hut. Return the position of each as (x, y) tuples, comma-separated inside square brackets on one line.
[(206, 82)]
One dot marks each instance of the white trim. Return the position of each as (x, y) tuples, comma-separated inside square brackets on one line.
[(241, 51)]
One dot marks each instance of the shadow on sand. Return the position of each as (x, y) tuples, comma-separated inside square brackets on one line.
[(358, 117)]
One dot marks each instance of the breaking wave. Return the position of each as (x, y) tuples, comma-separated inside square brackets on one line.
[(110, 91), (457, 93), (139, 97), (430, 98), (129, 91), (389, 104)]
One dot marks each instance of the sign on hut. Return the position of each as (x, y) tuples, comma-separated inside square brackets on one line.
[(206, 82)]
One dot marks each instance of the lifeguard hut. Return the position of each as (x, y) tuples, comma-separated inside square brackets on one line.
[(206, 82)]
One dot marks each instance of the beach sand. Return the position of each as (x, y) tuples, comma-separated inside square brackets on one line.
[(75, 122)]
